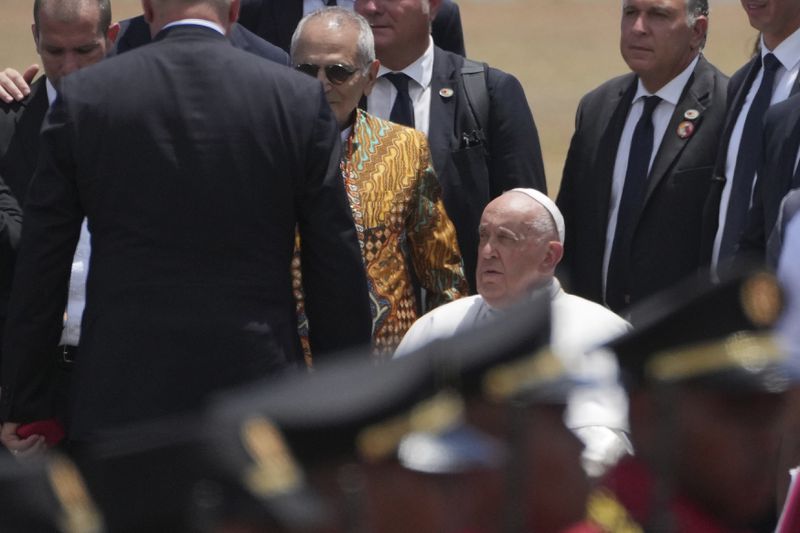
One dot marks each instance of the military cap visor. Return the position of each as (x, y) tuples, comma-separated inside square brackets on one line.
[(166, 474), (47, 496), (712, 335)]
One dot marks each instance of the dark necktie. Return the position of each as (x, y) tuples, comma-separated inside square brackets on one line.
[(330, 3), (618, 279), (746, 161), (403, 109)]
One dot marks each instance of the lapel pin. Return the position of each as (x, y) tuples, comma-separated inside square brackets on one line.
[(446, 92), (691, 114), (685, 129)]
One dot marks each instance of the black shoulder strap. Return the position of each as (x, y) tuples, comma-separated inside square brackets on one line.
[(473, 74)]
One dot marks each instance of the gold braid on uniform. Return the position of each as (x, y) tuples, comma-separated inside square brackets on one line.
[(608, 514)]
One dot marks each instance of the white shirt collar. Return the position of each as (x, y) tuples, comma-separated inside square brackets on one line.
[(421, 70), (196, 22), (671, 92), (787, 52), (51, 92), (345, 134)]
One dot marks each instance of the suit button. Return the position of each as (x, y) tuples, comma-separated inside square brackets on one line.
[(627, 299)]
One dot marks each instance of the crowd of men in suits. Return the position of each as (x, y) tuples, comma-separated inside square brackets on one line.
[(179, 248)]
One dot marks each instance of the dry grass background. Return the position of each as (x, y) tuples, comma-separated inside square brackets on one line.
[(559, 49)]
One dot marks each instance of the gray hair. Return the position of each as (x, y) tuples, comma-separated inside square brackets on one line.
[(694, 10), (338, 17), (69, 9), (542, 227)]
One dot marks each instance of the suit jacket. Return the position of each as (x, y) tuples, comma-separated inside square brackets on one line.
[(276, 20), (472, 174), (20, 123), (738, 88), (666, 246), (135, 32), (10, 226), (192, 194), (775, 172), (402, 226)]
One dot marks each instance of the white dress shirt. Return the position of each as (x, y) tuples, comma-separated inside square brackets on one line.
[(196, 22), (76, 298), (788, 53), (381, 100), (670, 94), (309, 6)]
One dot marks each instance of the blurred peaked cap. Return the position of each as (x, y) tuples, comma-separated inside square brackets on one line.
[(539, 378), (514, 335), (189, 473), (457, 450), (46, 496), (715, 335), (352, 408)]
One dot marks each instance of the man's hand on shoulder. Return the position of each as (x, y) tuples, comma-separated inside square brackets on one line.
[(16, 86), (30, 447)]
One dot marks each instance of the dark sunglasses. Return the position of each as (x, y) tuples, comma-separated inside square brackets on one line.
[(336, 74)]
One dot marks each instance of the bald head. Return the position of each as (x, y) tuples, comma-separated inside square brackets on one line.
[(519, 248), (72, 11)]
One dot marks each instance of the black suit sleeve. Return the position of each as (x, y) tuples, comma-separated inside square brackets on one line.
[(447, 31), (515, 154), (334, 280), (53, 217), (10, 227)]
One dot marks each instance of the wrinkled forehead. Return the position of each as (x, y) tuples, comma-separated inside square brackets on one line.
[(326, 35), (512, 210)]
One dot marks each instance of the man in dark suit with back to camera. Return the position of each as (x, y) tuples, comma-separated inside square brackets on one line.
[(480, 129), (639, 165), (768, 78), (192, 194), (276, 20)]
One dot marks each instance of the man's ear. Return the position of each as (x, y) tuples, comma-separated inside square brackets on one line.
[(699, 32), (233, 12), (112, 33), (555, 251), (372, 76), (147, 8)]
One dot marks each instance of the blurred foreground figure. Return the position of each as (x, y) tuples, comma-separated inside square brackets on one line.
[(180, 303), (707, 383), (464, 435)]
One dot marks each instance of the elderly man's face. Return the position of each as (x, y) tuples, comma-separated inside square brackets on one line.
[(322, 44), (656, 40), (776, 19), (512, 259), (68, 45)]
